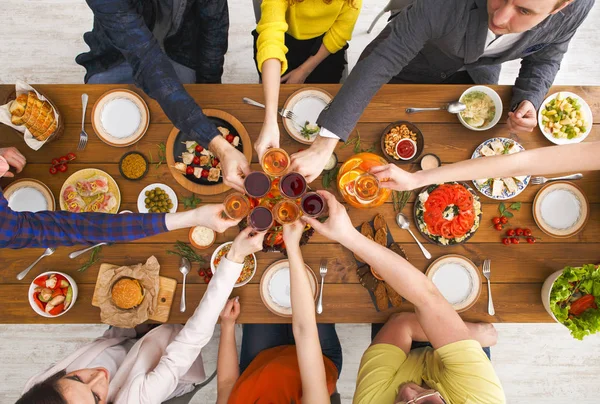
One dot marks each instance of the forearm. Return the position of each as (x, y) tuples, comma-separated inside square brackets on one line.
[(541, 161), (271, 73), (304, 318), (313, 61), (228, 369), (53, 229)]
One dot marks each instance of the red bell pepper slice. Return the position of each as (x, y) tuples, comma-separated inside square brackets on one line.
[(56, 292), (582, 304), (57, 310), (38, 301), (41, 281), (64, 291)]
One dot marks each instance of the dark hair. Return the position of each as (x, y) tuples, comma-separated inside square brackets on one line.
[(46, 392)]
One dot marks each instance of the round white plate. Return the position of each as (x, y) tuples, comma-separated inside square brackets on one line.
[(120, 118), (275, 287), (497, 103), (486, 189), (307, 104), (457, 278), (561, 209), (587, 113), (168, 190), (29, 195)]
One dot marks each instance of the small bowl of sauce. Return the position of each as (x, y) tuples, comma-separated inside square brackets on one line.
[(430, 161), (406, 149)]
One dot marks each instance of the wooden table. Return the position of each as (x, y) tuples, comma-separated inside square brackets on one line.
[(517, 271)]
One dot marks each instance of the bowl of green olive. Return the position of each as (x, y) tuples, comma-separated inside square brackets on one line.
[(157, 198)]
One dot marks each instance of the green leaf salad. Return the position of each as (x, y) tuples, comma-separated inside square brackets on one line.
[(575, 298)]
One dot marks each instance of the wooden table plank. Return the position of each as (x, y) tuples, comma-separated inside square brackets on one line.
[(341, 304), (512, 264)]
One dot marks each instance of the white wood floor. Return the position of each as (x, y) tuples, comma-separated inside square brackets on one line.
[(39, 40)]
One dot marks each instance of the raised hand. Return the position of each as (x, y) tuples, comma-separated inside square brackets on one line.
[(246, 243), (338, 225), (393, 177)]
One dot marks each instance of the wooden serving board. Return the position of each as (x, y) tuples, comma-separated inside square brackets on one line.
[(166, 294)]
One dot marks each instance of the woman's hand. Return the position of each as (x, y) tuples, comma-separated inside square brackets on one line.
[(393, 177), (296, 76), (268, 138), (338, 226), (230, 312), (10, 156), (246, 243), (292, 233), (213, 217)]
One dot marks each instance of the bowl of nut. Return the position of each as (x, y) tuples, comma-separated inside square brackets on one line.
[(402, 142)]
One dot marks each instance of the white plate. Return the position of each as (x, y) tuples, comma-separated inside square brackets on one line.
[(275, 287), (29, 195), (141, 205), (457, 279), (587, 113), (487, 189), (213, 268), (497, 103), (120, 117), (561, 209), (307, 104)]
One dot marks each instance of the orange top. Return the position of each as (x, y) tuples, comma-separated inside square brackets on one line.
[(273, 377)]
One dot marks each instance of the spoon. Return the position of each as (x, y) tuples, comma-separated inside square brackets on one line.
[(405, 225), (184, 268), (453, 107), (49, 251)]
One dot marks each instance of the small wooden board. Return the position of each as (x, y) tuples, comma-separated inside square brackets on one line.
[(166, 294)]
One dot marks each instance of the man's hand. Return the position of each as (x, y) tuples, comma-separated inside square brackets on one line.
[(213, 217), (393, 177), (268, 138), (296, 76), (310, 162), (233, 162), (230, 312), (10, 156), (338, 226), (524, 119), (246, 243)]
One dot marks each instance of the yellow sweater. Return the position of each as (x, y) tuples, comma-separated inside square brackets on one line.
[(305, 20)]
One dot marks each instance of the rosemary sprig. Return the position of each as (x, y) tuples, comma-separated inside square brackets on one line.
[(162, 155), (184, 250), (357, 143), (191, 202), (400, 198), (94, 257)]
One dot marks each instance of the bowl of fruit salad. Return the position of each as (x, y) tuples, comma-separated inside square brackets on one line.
[(52, 294)]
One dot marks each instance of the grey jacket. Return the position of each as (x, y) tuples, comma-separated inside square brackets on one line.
[(432, 39)]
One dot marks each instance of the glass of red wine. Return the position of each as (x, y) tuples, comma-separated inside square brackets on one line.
[(313, 204), (260, 218), (257, 184), (292, 185)]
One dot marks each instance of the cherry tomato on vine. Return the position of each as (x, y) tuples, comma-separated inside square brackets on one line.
[(53, 170), (515, 241), (62, 168), (527, 232), (71, 156), (503, 220), (510, 232), (519, 232), (506, 241), (496, 220), (531, 240), (498, 227)]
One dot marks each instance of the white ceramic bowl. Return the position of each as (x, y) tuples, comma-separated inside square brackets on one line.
[(214, 269), (497, 103), (547, 289), (587, 113), (168, 190), (33, 286)]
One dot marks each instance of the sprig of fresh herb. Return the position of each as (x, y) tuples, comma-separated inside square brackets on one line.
[(184, 250), (357, 143), (400, 198), (94, 257), (330, 177), (191, 202), (504, 211), (307, 131), (162, 155)]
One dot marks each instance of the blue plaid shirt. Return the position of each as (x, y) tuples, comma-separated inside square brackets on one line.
[(122, 32), (53, 229)]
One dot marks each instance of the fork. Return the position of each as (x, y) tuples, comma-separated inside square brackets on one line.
[(83, 137), (22, 274), (543, 180), (487, 274), (285, 113), (323, 271)]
